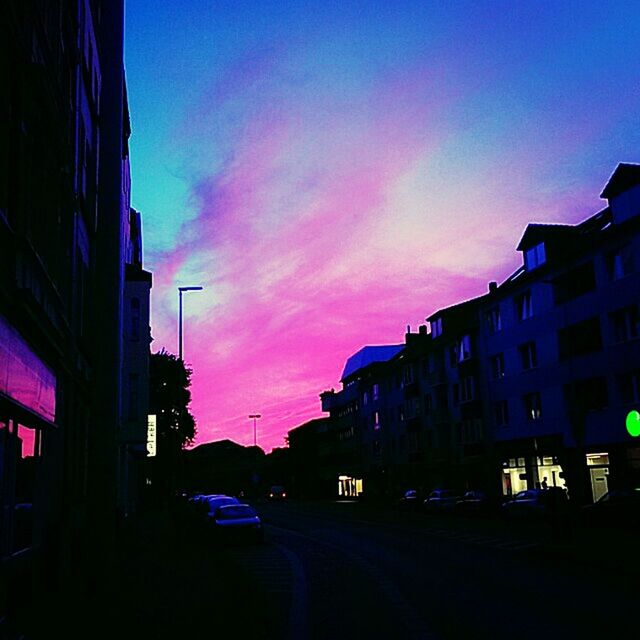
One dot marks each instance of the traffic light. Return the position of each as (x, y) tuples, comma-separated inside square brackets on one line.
[(633, 423)]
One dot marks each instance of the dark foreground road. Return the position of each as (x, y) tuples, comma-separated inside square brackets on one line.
[(348, 570), (341, 571)]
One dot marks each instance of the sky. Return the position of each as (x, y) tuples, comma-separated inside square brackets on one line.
[(332, 172)]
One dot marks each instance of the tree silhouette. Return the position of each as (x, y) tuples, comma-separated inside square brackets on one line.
[(169, 398)]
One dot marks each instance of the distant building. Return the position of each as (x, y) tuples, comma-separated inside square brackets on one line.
[(135, 376), (224, 466)]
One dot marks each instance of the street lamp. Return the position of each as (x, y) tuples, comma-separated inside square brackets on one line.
[(181, 290), (255, 417)]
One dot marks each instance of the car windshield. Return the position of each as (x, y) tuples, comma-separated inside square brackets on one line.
[(233, 512)]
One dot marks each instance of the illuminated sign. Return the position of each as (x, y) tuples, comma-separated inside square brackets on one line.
[(633, 423), (151, 435)]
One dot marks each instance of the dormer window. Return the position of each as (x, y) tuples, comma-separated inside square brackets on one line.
[(436, 328), (535, 256)]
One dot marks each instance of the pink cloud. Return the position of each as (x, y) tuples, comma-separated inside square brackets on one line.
[(311, 241)]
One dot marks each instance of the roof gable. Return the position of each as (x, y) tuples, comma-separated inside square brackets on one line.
[(624, 177)]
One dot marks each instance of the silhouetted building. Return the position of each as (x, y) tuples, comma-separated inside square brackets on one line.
[(224, 466), (527, 385), (562, 339), (64, 209), (135, 377), (312, 466)]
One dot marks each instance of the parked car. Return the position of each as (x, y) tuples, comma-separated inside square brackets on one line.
[(441, 500), (537, 503), (277, 492), (616, 508), (237, 522), (410, 500), (474, 503)]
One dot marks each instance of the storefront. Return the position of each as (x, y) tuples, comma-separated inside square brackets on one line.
[(349, 487), (531, 472), (598, 465), (27, 410)]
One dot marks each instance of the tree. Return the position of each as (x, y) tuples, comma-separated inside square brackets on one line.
[(169, 398)]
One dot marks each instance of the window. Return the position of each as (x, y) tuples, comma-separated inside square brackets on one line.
[(533, 406), (494, 320), (464, 348), (629, 387), (401, 413), (501, 412), (436, 328), (470, 431), (579, 338), (574, 283), (412, 408), (524, 307), (528, 355), (497, 366), (427, 402), (625, 323), (376, 421), (408, 374), (535, 256), (375, 391), (365, 398), (620, 263), (467, 389)]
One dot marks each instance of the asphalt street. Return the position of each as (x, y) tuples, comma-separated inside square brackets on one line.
[(341, 570)]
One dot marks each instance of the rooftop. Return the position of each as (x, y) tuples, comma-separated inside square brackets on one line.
[(368, 355), (623, 178)]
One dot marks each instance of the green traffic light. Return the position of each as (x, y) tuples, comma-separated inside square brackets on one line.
[(633, 423)]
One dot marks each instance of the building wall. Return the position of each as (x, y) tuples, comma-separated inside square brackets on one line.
[(64, 204)]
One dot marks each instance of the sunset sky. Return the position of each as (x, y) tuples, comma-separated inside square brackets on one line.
[(331, 172)]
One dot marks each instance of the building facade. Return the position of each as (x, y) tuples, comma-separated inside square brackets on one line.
[(65, 230), (528, 385)]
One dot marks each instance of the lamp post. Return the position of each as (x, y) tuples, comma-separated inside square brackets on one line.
[(255, 417), (181, 290)]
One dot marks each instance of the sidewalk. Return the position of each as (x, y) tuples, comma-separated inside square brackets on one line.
[(168, 582)]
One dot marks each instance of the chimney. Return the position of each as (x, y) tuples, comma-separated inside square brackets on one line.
[(422, 329), (493, 286)]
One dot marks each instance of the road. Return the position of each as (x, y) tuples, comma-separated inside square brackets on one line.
[(340, 570)]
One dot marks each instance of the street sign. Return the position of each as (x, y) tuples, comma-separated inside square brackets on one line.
[(151, 435)]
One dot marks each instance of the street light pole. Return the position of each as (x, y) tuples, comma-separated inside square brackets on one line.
[(255, 417), (181, 290)]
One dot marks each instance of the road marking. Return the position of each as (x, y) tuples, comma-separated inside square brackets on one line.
[(299, 611)]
